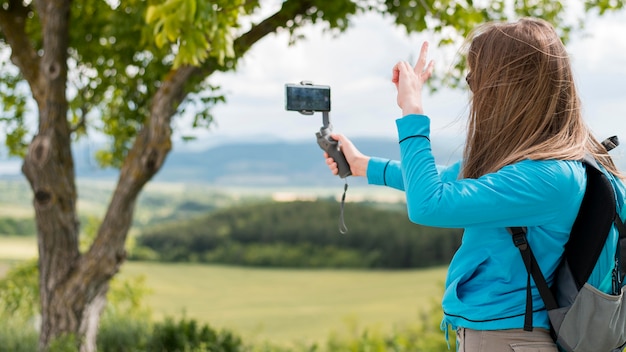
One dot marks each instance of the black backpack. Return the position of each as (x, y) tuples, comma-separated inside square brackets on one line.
[(583, 318)]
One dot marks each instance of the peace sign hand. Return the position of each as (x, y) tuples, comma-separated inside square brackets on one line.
[(409, 82)]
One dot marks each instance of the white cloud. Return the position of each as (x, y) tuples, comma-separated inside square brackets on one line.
[(599, 60), (603, 47), (357, 65)]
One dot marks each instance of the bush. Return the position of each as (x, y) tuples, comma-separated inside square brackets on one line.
[(423, 336), (185, 335), (17, 335), (65, 343), (124, 325), (19, 291), (123, 334)]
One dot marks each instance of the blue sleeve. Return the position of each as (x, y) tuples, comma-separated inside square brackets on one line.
[(385, 172), (528, 193)]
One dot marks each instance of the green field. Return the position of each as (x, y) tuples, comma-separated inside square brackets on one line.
[(17, 248), (277, 305), (289, 305)]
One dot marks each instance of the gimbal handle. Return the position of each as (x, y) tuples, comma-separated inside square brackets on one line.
[(331, 146)]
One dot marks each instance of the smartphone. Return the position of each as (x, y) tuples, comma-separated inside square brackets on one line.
[(307, 97)]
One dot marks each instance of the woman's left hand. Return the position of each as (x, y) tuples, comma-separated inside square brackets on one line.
[(409, 82)]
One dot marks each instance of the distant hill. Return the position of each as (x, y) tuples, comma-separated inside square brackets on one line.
[(276, 163), (260, 163)]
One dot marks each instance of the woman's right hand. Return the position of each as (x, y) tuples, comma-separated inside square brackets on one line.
[(357, 161), (409, 82)]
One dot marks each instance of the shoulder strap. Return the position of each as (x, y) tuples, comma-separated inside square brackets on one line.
[(610, 143), (532, 267), (621, 249), (596, 216)]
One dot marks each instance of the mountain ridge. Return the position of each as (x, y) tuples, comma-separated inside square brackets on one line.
[(267, 163), (254, 162)]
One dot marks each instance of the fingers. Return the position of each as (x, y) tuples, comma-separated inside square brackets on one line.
[(399, 69), (395, 74), (344, 143), (429, 70), (340, 138), (332, 165), (420, 65), (422, 69)]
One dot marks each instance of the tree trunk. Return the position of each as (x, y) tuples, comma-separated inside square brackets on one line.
[(73, 286), (49, 168)]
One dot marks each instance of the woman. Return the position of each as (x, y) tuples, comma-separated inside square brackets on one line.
[(520, 167)]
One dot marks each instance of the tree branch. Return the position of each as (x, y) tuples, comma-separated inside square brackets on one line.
[(143, 161), (287, 12), (23, 55)]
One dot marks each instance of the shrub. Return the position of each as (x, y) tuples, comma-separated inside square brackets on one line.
[(123, 334), (185, 335), (124, 325), (17, 335), (422, 336)]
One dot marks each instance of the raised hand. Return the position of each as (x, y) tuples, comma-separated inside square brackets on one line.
[(409, 82)]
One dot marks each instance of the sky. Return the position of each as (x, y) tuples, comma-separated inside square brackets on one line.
[(357, 65)]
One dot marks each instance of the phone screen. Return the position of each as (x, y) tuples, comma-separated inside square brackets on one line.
[(301, 97)]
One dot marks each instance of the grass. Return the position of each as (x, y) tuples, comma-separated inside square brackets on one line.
[(18, 248), (17, 211), (278, 305), (285, 306)]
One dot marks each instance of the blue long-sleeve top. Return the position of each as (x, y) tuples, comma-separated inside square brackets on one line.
[(486, 279)]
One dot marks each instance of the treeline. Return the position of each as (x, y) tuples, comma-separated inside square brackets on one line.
[(300, 234), (17, 226)]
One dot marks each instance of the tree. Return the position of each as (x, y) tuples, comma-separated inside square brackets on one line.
[(126, 69)]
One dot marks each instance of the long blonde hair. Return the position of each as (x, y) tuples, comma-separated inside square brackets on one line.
[(524, 102)]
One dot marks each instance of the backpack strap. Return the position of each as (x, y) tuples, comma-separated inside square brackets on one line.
[(620, 255), (596, 215), (610, 143), (620, 227), (532, 267)]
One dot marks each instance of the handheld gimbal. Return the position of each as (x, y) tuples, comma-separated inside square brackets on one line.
[(307, 98)]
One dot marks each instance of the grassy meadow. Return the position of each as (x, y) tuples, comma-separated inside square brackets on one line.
[(14, 248), (282, 306)]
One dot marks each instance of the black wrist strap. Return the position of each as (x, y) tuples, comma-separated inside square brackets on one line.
[(342, 225)]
